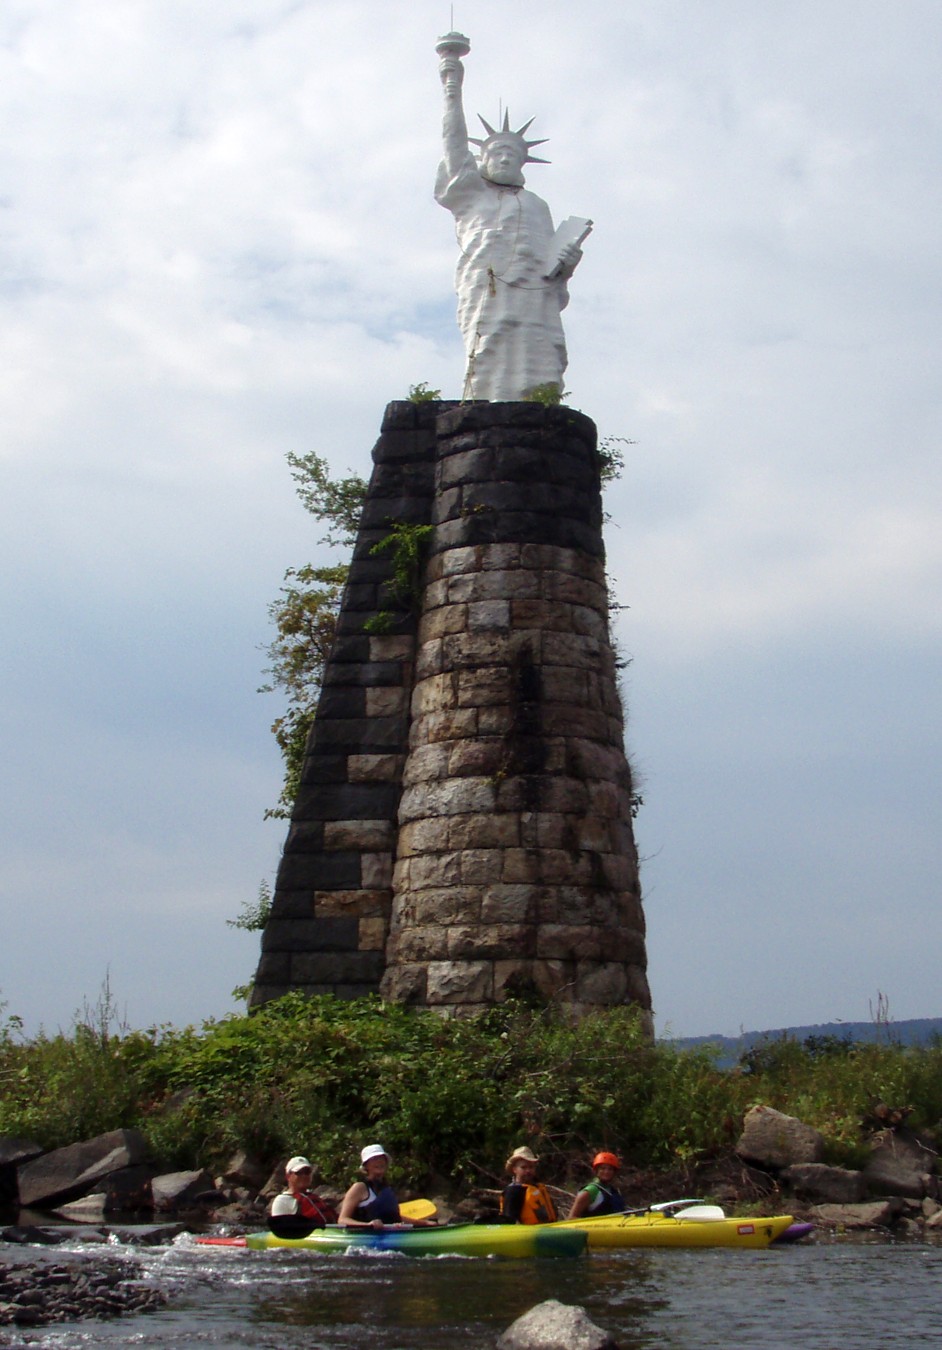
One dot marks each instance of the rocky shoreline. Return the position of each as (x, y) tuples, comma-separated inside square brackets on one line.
[(36, 1294)]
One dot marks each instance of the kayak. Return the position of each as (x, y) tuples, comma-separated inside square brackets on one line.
[(464, 1239), (657, 1229)]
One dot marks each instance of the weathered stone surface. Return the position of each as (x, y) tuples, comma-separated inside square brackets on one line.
[(181, 1190), (67, 1173), (459, 982), (876, 1214), (819, 1184), (901, 1164), (367, 835), (773, 1139), (552, 1325)]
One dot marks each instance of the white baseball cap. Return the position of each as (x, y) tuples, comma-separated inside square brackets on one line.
[(373, 1151), (297, 1164)]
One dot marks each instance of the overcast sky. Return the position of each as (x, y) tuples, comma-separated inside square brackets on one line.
[(218, 244)]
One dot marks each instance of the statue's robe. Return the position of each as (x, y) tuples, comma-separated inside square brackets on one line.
[(508, 312)]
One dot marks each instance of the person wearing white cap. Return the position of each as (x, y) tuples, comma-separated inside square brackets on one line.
[(298, 1202), (372, 1203)]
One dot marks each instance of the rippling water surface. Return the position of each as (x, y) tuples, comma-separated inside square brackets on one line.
[(826, 1296)]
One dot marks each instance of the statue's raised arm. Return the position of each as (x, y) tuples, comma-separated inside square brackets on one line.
[(450, 49), (513, 267)]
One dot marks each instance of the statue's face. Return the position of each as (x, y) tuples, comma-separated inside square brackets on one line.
[(503, 163)]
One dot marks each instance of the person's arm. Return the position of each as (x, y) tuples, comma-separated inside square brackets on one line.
[(355, 1196), (580, 1205), (514, 1196)]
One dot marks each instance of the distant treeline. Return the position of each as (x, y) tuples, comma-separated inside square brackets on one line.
[(917, 1031)]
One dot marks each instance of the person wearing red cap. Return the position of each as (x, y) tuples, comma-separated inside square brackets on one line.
[(600, 1196)]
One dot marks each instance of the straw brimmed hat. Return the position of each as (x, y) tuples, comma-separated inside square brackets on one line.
[(523, 1154)]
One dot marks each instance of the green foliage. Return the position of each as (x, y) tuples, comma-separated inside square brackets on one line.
[(420, 393), (550, 395), (253, 915), (611, 456), (448, 1098), (407, 544), (337, 501), (305, 619)]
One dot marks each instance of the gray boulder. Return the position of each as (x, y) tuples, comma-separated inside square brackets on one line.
[(818, 1184), (67, 1173), (555, 1326), (876, 1214), (901, 1164), (775, 1140), (181, 1190)]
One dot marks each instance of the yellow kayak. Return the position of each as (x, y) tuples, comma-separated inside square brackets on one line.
[(655, 1229)]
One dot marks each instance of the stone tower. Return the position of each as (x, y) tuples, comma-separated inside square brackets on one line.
[(463, 830)]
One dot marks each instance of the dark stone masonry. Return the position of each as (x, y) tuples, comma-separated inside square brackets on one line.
[(463, 830)]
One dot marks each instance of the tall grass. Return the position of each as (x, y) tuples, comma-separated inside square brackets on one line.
[(447, 1098)]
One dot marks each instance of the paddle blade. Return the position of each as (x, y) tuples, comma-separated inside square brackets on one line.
[(418, 1209)]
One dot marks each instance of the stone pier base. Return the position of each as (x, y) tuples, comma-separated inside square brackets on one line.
[(504, 810)]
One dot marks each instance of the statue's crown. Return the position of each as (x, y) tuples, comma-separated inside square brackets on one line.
[(505, 134)]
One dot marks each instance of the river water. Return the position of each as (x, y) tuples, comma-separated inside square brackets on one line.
[(827, 1295)]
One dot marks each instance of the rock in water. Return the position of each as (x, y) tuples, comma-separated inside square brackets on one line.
[(555, 1326)]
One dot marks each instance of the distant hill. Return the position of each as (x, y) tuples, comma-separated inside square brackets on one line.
[(916, 1031)]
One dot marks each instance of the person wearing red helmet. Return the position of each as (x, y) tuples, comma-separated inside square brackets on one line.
[(600, 1196)]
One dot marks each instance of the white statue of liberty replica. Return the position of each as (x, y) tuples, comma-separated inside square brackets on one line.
[(514, 267)]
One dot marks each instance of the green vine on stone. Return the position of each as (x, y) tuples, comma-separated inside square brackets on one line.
[(420, 393), (407, 544), (549, 395)]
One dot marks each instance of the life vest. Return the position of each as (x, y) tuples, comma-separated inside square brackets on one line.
[(602, 1200), (379, 1204), (315, 1209), (537, 1207)]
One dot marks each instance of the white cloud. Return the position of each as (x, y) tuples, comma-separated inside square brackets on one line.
[(218, 244)]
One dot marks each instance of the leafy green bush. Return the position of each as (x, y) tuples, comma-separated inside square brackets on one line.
[(449, 1099)]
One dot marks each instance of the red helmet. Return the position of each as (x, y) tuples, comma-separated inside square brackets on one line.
[(606, 1160)]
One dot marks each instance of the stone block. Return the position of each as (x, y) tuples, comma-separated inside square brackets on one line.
[(480, 866), (474, 758), (369, 836), (440, 906), (319, 935), (459, 982), (521, 867), (453, 797), (478, 688), (467, 466), (430, 659), (489, 616), (450, 724), (436, 693), (426, 764), (483, 831), (565, 942), (313, 871), (434, 869), (348, 801), (428, 943), (360, 735), (386, 701), (376, 871), (442, 622), (329, 968), (458, 560), (372, 935), (374, 768), (354, 904), (502, 904), (544, 615), (603, 983), (495, 720), (491, 941), (305, 836), (391, 647), (404, 984), (570, 649), (274, 968)]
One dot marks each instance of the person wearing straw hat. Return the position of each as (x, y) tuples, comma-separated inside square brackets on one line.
[(600, 1196), (525, 1200)]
